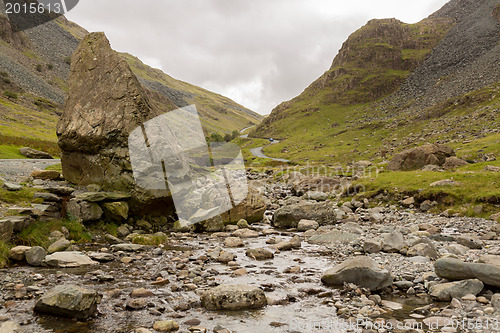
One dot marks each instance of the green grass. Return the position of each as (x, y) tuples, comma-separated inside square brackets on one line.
[(154, 239), (4, 254), (10, 152), (477, 188), (38, 233), (22, 197), (16, 142), (106, 227), (55, 167)]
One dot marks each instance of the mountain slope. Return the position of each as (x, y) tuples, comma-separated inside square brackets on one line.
[(393, 86), (34, 68)]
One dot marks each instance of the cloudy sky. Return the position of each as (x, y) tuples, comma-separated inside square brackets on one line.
[(257, 52)]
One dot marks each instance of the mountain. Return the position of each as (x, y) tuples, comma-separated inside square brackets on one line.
[(394, 85), (34, 69)]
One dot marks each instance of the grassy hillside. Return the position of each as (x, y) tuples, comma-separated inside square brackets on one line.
[(34, 69), (218, 113)]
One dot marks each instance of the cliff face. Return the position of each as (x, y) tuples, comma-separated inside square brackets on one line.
[(373, 63), (393, 86), (105, 104)]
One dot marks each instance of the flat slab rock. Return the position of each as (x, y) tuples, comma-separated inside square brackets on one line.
[(69, 259), (233, 297), (69, 301), (454, 269)]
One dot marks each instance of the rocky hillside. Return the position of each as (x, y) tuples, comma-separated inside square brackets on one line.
[(394, 85), (34, 68)]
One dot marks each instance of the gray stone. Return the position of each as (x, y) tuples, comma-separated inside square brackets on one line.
[(315, 195), (59, 245), (233, 242), (18, 222), (424, 250), (11, 186), (33, 153), (454, 269), (490, 259), (392, 242), (233, 297), (101, 256), (458, 289), (101, 196), (495, 301), (123, 231), (69, 301), (129, 247), (445, 182), (35, 256), (242, 224), (86, 211), (50, 197), (69, 259), (305, 225), (6, 230), (361, 271), (372, 246), (225, 257), (116, 211), (471, 241), (10, 326), (259, 254), (112, 239), (214, 224)]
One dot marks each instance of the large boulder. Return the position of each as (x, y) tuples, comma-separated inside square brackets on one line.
[(69, 301), (418, 157), (361, 271), (105, 103), (233, 297), (455, 269), (457, 289), (33, 153), (252, 208), (289, 216)]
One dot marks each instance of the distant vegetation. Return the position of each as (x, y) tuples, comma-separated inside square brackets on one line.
[(217, 137)]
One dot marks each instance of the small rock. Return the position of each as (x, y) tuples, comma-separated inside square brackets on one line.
[(59, 245), (45, 174), (18, 253), (233, 242), (166, 326), (305, 225), (141, 292), (259, 254), (35, 256)]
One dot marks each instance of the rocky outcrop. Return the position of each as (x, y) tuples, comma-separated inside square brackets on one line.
[(418, 157), (105, 104)]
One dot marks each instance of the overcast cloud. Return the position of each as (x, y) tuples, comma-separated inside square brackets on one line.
[(257, 52)]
